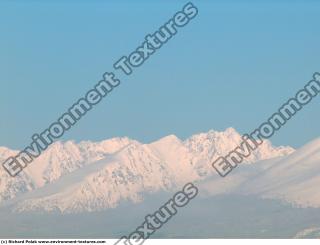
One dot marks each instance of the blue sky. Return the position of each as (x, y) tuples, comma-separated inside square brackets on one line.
[(231, 66)]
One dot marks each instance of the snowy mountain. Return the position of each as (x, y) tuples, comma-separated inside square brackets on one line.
[(293, 178), (207, 147), (11, 187), (58, 160), (85, 177)]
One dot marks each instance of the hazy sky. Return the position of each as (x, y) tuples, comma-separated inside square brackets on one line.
[(231, 66)]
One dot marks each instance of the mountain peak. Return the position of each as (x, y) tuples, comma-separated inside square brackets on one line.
[(231, 130), (170, 139)]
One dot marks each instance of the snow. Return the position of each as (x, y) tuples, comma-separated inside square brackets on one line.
[(92, 176), (294, 178)]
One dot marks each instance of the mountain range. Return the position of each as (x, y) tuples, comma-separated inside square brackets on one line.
[(90, 176)]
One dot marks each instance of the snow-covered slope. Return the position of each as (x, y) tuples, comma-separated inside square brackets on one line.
[(63, 158), (295, 178), (207, 147), (68, 178), (11, 187), (58, 160)]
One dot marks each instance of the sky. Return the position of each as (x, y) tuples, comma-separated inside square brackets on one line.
[(233, 65)]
